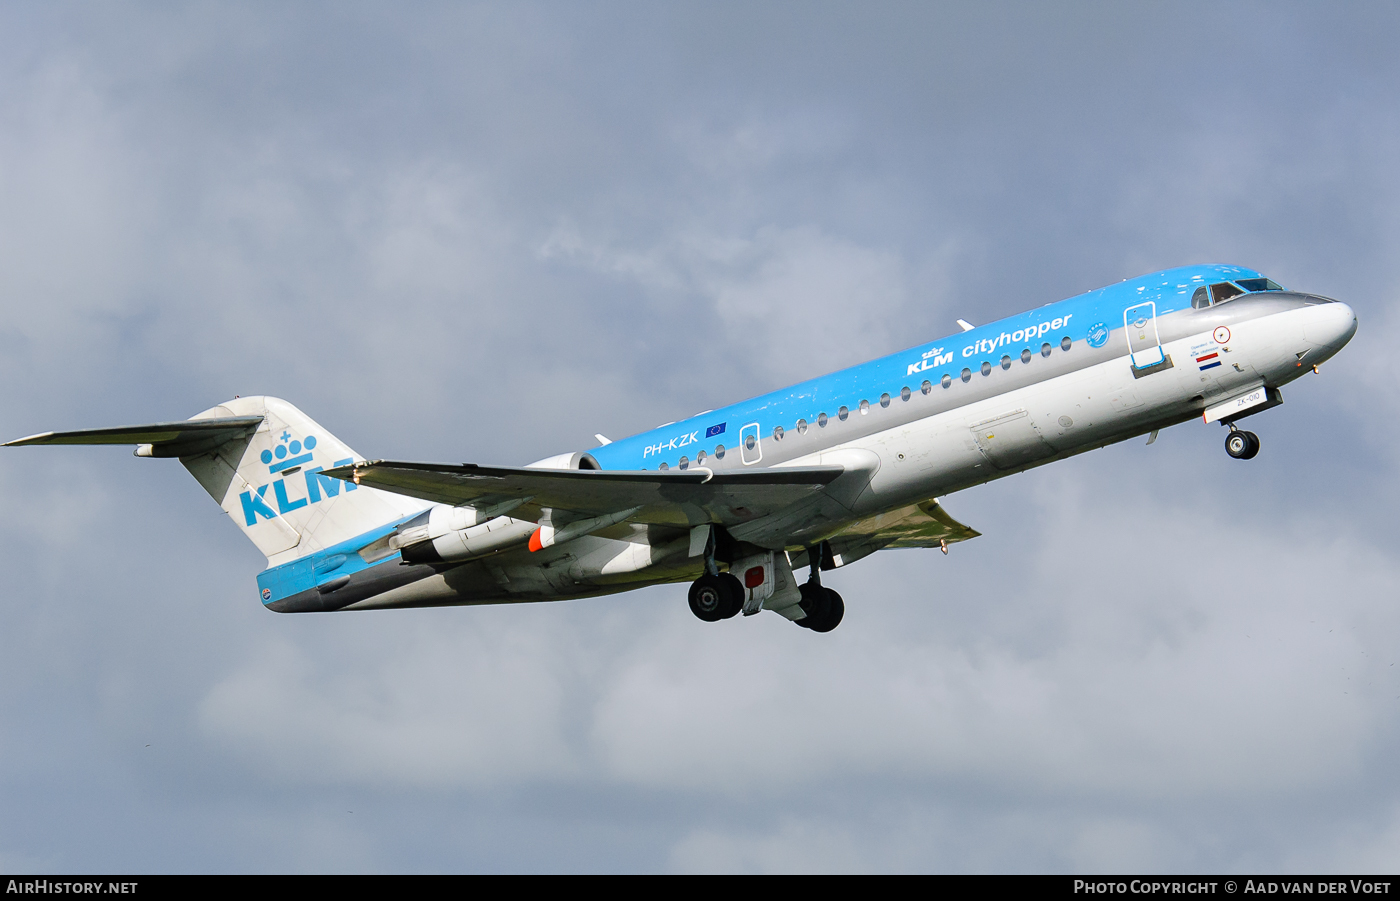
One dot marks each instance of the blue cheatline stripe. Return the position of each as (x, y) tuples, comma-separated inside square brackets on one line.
[(299, 575)]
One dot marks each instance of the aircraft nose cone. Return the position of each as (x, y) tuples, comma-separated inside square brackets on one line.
[(1330, 325)]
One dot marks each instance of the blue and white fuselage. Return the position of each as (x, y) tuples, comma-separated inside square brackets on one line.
[(818, 474)]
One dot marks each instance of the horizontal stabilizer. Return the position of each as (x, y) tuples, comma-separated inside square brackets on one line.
[(686, 497), (166, 439)]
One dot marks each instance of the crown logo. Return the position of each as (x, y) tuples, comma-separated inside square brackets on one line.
[(289, 452)]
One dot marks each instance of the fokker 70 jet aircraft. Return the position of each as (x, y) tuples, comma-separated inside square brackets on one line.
[(817, 475)]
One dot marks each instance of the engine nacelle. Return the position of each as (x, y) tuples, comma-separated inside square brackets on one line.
[(445, 534), (566, 461)]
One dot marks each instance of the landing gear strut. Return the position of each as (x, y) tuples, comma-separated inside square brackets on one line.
[(823, 606), (1240, 444)]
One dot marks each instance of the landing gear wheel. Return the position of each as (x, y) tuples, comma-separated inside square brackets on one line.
[(713, 598), (824, 607), (1242, 445)]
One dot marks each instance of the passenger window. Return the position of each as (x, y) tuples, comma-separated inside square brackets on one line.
[(750, 440), (1026, 355), (1223, 291), (777, 433), (905, 392), (986, 368), (885, 399), (801, 426), (700, 459), (664, 466), (821, 420), (842, 413), (1065, 343), (966, 374), (864, 407), (685, 463), (947, 380), (719, 451), (927, 386), (1201, 299), (1045, 349), (1006, 361)]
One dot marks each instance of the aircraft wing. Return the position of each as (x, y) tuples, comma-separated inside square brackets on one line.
[(681, 498), (167, 439), (922, 525), (925, 524)]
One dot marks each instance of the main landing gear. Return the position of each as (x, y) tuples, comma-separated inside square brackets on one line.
[(1240, 444), (824, 607), (717, 596)]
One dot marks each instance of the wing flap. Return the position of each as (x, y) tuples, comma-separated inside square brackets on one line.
[(671, 498)]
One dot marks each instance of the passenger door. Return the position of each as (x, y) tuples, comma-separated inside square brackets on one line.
[(1144, 345)]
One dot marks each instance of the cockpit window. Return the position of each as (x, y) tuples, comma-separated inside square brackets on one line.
[(1258, 284), (1223, 291), (1201, 299)]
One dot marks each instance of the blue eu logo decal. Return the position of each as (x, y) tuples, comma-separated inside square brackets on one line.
[(1098, 334)]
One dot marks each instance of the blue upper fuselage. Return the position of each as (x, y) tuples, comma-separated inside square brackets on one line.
[(1087, 317)]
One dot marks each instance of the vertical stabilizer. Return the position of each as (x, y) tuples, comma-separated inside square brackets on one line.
[(269, 482)]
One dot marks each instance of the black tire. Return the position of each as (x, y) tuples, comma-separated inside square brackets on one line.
[(824, 607), (1253, 450), (708, 599), (1237, 445), (713, 598), (735, 590), (815, 603), (835, 611)]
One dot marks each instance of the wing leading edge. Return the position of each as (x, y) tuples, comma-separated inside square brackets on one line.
[(682, 498)]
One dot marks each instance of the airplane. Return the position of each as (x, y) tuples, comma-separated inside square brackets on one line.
[(737, 500)]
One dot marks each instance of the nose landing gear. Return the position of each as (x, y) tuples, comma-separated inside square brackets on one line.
[(1240, 444)]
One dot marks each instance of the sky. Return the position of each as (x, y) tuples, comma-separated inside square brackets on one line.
[(484, 232)]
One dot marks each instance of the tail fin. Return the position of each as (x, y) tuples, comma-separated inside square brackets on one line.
[(261, 459)]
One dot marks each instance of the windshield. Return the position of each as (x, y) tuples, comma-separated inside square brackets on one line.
[(1223, 291)]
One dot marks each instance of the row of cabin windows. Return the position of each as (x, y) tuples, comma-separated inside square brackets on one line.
[(904, 394)]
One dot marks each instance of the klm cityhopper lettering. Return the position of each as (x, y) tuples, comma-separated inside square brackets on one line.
[(932, 359), (291, 454)]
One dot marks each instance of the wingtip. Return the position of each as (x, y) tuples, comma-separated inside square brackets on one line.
[(28, 439)]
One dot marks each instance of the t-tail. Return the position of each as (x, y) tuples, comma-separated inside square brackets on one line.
[(262, 460)]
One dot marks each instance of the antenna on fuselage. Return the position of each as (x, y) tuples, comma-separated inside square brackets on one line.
[(966, 326)]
